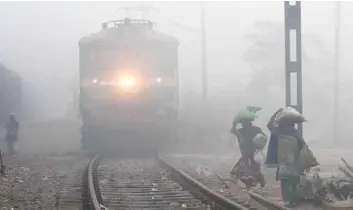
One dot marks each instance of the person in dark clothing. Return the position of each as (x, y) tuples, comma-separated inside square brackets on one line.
[(284, 150), (247, 169), (12, 127), (248, 132)]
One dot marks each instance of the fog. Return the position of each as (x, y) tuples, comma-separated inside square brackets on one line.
[(39, 40)]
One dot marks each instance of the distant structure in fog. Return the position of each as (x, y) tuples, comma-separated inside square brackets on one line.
[(10, 92)]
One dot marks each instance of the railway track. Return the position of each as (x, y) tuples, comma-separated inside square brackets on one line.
[(204, 171), (70, 196), (154, 183), (225, 187)]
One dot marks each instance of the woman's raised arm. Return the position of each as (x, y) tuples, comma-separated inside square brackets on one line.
[(270, 122)]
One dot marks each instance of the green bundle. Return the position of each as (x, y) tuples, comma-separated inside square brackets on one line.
[(253, 109), (248, 115)]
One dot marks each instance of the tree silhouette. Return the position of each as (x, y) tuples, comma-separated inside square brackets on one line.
[(265, 57)]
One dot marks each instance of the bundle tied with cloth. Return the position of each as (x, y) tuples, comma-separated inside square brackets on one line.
[(287, 116), (249, 115)]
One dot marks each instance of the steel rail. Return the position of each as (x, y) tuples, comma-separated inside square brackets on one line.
[(95, 205), (266, 202), (215, 197)]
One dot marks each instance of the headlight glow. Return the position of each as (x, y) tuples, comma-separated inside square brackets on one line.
[(95, 81), (128, 81), (159, 80)]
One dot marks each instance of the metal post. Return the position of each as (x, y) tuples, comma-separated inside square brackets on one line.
[(293, 57), (337, 69), (204, 55)]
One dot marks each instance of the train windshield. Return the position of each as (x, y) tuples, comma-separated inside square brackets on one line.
[(151, 61)]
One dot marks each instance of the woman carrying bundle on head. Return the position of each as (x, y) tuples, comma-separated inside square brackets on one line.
[(288, 151), (251, 139)]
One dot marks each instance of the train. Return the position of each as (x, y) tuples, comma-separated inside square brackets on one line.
[(128, 96), (10, 93)]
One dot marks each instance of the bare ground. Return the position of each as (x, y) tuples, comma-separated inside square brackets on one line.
[(35, 177), (34, 182), (329, 160), (44, 137)]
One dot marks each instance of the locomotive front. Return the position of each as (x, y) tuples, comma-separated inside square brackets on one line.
[(129, 86)]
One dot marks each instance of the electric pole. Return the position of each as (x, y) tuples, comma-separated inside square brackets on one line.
[(204, 54), (293, 56), (337, 69)]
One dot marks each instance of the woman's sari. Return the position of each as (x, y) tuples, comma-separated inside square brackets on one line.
[(284, 148), (247, 169)]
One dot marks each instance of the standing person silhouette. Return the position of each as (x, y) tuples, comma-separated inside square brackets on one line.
[(12, 127)]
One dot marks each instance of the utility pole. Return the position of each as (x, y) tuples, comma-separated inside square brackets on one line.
[(204, 54), (293, 56), (337, 69)]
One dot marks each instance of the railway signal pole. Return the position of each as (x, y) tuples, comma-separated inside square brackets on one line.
[(293, 56), (337, 69)]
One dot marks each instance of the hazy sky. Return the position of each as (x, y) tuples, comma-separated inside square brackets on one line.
[(39, 39)]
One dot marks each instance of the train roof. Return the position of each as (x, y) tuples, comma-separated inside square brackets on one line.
[(125, 30)]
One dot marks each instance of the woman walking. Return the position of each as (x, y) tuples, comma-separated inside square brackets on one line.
[(247, 169), (284, 149)]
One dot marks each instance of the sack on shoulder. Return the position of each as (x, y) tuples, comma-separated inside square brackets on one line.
[(306, 159)]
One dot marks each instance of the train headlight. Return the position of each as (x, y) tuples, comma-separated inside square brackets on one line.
[(159, 80), (128, 82), (95, 81)]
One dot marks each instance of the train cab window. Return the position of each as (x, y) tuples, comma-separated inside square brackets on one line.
[(152, 60)]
